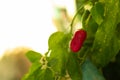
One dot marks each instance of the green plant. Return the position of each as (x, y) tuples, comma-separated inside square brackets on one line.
[(100, 19)]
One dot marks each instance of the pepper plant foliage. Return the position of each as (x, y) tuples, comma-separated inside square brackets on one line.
[(101, 20)]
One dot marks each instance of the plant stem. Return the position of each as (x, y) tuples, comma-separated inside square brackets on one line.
[(74, 18)]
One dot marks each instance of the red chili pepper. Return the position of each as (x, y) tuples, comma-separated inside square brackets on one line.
[(78, 40)]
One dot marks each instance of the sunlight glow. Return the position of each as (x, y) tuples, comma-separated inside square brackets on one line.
[(25, 23)]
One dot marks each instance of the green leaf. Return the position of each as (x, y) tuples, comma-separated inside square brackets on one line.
[(33, 56), (59, 40), (36, 73), (33, 69), (40, 74), (85, 19), (106, 45), (91, 29), (35, 66), (119, 44), (28, 77), (90, 72), (118, 18), (58, 44), (79, 4), (119, 15), (82, 3), (73, 67), (89, 24), (55, 39), (118, 31), (45, 74), (60, 57), (97, 12)]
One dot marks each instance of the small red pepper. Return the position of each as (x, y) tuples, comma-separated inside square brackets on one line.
[(78, 40)]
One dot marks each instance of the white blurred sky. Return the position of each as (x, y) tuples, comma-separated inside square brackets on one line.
[(27, 23)]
